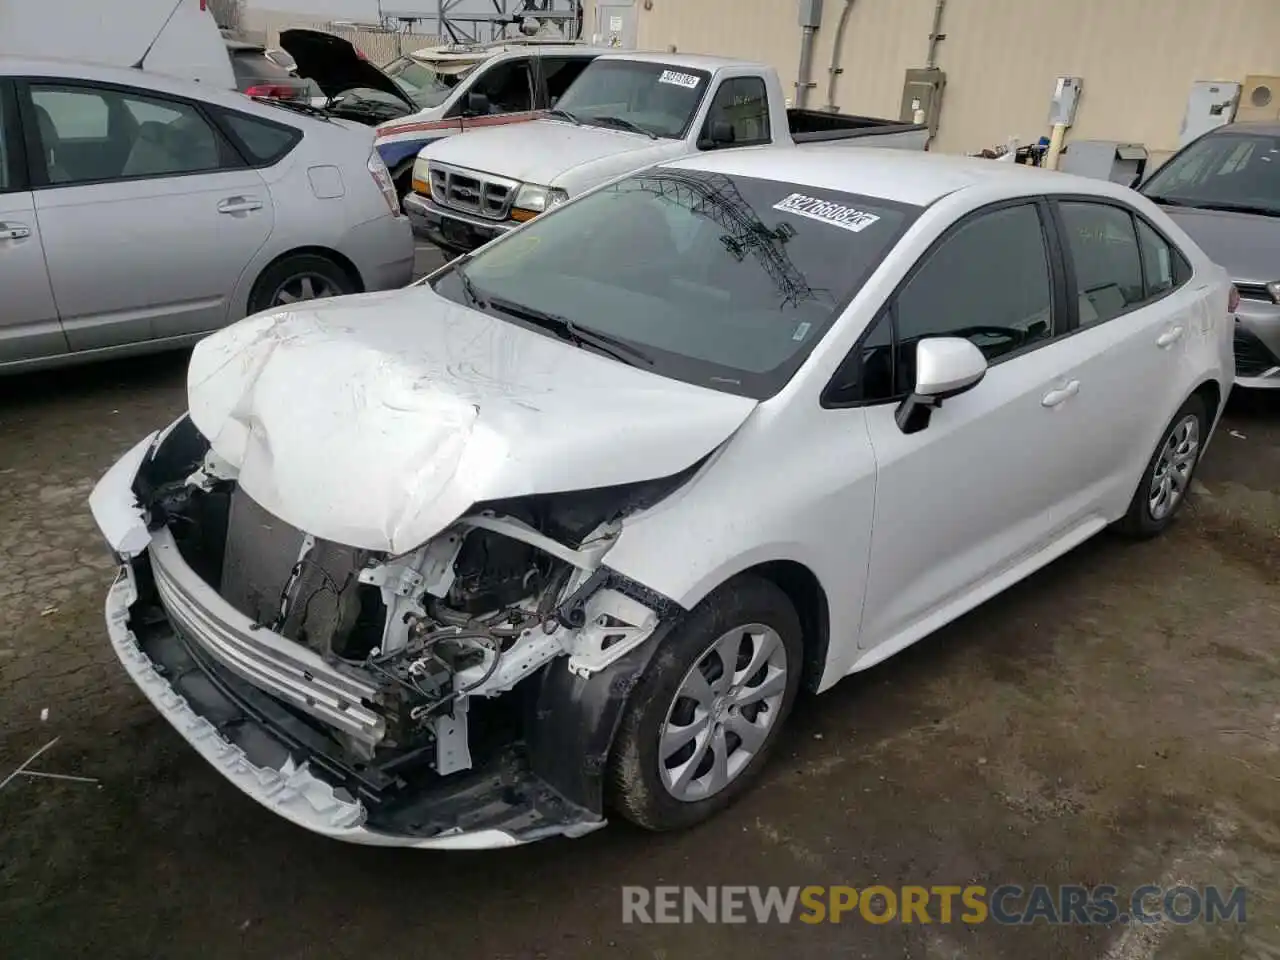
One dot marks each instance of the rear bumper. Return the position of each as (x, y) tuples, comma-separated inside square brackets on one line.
[(382, 252), (449, 229)]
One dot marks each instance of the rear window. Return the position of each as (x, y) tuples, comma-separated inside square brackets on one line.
[(248, 65), (262, 142), (724, 281)]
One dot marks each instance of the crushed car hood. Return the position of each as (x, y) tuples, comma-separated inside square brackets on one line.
[(335, 66), (540, 151), (379, 419), (1244, 244)]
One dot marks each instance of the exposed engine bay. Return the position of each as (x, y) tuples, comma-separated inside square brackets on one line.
[(407, 644)]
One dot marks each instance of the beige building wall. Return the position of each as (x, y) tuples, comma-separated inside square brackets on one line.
[(1138, 58)]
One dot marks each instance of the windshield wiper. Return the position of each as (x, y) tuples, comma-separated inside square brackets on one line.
[(620, 350), (624, 124), (474, 299), (565, 115), (1243, 208)]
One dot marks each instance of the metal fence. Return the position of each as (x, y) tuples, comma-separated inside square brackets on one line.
[(380, 46)]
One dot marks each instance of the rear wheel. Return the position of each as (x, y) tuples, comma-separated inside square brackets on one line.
[(704, 718), (1167, 480), (303, 276)]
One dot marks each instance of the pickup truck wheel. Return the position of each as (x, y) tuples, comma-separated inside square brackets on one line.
[(403, 179), (705, 716), (1167, 480), (303, 276)]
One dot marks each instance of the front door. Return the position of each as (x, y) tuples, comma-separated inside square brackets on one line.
[(148, 217), (995, 477), (28, 318)]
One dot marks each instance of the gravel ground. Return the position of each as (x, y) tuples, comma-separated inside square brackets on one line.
[(1114, 719)]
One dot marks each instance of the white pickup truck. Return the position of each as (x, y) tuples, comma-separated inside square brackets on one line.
[(623, 113)]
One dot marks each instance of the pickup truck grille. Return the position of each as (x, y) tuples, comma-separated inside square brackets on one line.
[(471, 192)]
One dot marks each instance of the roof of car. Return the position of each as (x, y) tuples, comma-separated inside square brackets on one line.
[(688, 61), (1267, 127), (902, 176)]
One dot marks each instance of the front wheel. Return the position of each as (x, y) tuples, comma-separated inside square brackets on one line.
[(1167, 480), (706, 714)]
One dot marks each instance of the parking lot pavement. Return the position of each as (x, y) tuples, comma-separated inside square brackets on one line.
[(1115, 719)]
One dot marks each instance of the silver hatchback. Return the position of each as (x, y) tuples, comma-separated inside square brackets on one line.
[(139, 212)]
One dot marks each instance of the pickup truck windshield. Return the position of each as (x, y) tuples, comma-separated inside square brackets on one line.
[(653, 96), (725, 282), (1227, 171)]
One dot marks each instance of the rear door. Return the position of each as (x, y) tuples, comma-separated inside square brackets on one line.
[(29, 325), (149, 216), (1137, 312)]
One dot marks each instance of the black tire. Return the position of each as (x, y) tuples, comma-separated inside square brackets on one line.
[(293, 268), (635, 788), (1140, 523), (403, 179)]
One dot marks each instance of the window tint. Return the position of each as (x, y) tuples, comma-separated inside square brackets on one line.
[(262, 141), (560, 73), (1104, 251), (988, 282), (88, 135), (6, 152), (509, 87), (743, 104), (1157, 261)]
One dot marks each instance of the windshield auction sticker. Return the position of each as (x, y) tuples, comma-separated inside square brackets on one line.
[(838, 215), (686, 80)]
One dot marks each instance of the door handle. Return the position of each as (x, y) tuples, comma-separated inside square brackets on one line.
[(1170, 337), (14, 231), (239, 205), (1060, 396)]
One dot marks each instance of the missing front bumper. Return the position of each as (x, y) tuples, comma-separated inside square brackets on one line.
[(284, 765)]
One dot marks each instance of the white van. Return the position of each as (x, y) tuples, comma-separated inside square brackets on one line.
[(179, 38)]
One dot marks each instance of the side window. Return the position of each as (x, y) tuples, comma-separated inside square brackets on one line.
[(988, 282), (1162, 265), (509, 87), (8, 147), (88, 135), (262, 141), (744, 105), (1104, 250), (559, 73)]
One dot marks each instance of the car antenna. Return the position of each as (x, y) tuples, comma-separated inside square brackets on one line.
[(147, 52)]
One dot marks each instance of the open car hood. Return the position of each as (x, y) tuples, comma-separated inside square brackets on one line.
[(379, 419), (336, 66)]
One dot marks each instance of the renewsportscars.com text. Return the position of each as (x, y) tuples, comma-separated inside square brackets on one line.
[(1008, 904)]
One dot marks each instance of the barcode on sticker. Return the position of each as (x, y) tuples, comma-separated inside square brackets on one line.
[(836, 214), (679, 79)]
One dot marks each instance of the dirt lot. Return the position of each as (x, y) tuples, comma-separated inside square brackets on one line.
[(1115, 719)]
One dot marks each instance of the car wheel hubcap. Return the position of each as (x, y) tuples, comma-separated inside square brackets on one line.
[(303, 286), (722, 712), (1173, 468)]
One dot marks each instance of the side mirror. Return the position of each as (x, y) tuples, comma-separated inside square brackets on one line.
[(477, 104), (553, 101), (719, 133), (945, 367)]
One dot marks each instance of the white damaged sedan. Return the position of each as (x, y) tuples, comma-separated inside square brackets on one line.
[(565, 528)]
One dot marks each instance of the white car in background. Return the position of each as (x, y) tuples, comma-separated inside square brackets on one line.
[(567, 526), (141, 212)]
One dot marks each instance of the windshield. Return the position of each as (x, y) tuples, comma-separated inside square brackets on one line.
[(1222, 171), (654, 97), (726, 282), (426, 86)]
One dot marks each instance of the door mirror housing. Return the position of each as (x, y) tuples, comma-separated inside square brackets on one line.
[(477, 105), (719, 133), (945, 367)]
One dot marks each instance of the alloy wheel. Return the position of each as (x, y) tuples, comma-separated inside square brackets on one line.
[(1172, 475)]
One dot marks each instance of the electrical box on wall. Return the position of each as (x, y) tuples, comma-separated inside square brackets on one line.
[(1066, 98), (922, 97), (1210, 104), (811, 13), (1260, 99)]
